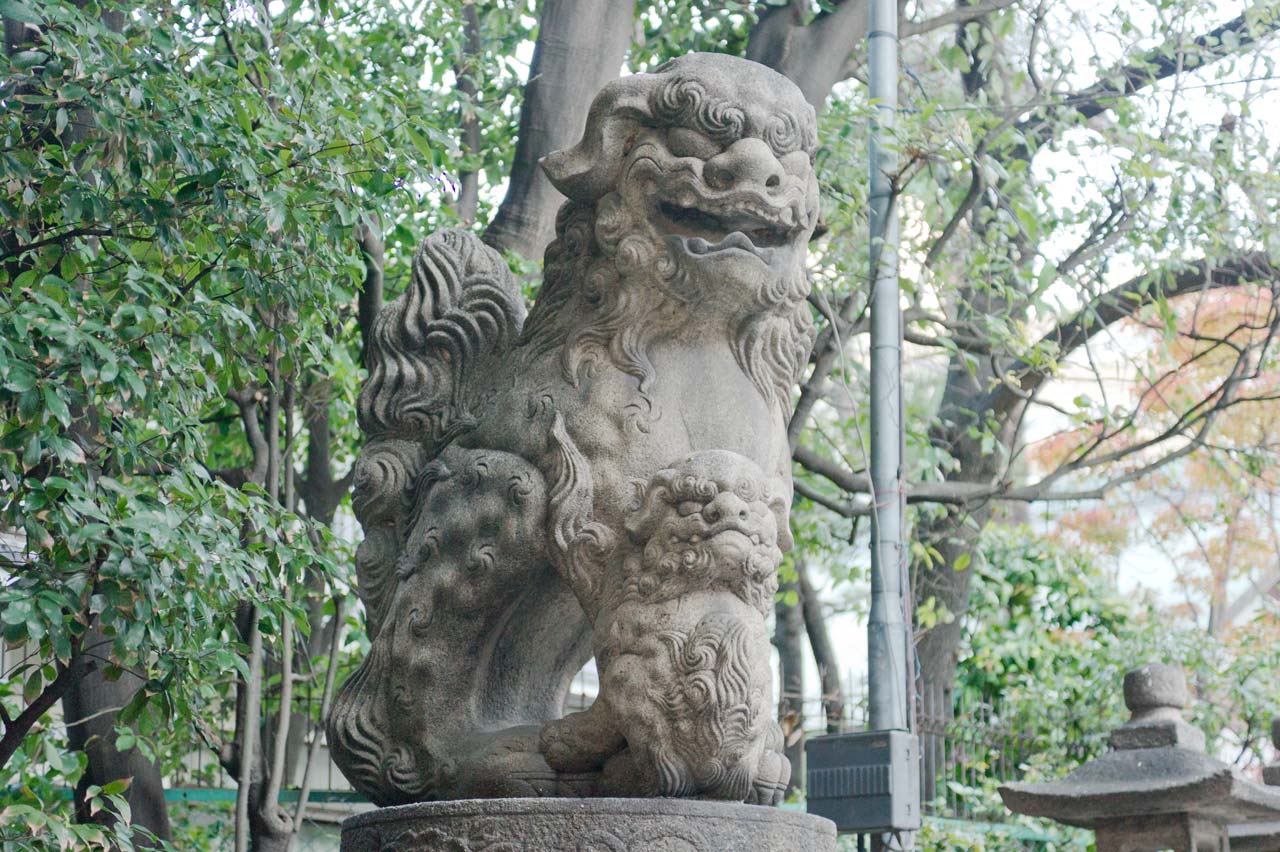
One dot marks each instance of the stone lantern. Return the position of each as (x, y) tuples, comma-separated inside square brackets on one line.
[(1156, 789), (1262, 837)]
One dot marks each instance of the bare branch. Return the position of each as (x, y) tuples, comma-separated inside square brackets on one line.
[(847, 510), (248, 724), (826, 354), (959, 15), (246, 400), (330, 679), (976, 185), (275, 776), (15, 730), (824, 653), (813, 55)]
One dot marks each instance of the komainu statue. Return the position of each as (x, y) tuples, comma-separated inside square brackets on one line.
[(609, 475)]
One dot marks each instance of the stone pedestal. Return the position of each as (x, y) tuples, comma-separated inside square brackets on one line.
[(586, 825)]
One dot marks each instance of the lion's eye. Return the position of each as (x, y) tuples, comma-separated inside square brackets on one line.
[(796, 163), (683, 142)]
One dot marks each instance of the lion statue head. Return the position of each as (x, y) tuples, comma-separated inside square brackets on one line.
[(692, 197)]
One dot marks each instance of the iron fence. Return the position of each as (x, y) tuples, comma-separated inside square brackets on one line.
[(967, 747)]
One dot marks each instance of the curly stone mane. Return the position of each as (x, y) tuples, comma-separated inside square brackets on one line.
[(617, 290)]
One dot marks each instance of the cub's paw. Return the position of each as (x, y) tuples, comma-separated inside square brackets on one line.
[(770, 784), (580, 742)]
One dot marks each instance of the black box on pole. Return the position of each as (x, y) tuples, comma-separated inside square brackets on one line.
[(866, 783)]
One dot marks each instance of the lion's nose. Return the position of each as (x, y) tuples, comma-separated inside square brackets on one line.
[(746, 164), (725, 506)]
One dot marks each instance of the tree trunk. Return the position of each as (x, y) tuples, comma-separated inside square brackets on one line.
[(788, 638), (958, 426), (824, 653), (87, 708), (813, 54), (580, 47)]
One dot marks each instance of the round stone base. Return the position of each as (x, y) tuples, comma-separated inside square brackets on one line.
[(586, 825)]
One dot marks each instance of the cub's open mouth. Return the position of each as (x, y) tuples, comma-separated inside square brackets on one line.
[(705, 232)]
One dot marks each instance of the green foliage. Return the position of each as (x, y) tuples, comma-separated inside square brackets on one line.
[(1048, 639), (957, 836), (179, 197), (1035, 608)]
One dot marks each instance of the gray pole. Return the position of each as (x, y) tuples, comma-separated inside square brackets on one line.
[(887, 637), (836, 764)]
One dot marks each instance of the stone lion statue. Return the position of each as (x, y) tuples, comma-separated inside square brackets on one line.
[(609, 476)]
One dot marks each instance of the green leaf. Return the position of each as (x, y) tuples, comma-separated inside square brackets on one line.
[(275, 203), (130, 713), (116, 787), (56, 405), (19, 11), (33, 687)]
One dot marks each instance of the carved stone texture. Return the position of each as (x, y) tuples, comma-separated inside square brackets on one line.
[(1255, 837), (595, 825), (1155, 834), (1156, 789), (1155, 695), (609, 477)]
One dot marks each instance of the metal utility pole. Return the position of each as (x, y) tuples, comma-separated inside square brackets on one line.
[(886, 630), (869, 782)]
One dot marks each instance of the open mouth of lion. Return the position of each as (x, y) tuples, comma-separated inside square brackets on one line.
[(705, 232)]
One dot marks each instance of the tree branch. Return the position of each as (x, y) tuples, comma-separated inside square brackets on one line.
[(276, 771), (826, 354), (56, 238), (468, 180), (369, 238), (812, 55), (330, 678), (248, 724), (959, 15), (15, 731), (1157, 64), (824, 653), (1120, 303), (246, 400)]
